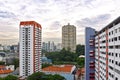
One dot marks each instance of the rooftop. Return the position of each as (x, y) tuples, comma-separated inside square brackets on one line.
[(3, 70), (30, 23), (59, 68)]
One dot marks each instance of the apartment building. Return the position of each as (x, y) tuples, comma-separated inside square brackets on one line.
[(89, 54), (30, 47), (106, 52), (69, 37)]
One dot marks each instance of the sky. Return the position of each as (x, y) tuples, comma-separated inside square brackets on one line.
[(53, 14)]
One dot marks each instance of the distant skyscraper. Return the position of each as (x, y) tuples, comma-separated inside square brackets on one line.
[(30, 47), (58, 47), (69, 37), (52, 46), (49, 47)]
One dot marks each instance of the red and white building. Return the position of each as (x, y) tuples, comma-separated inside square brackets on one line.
[(30, 47), (106, 53)]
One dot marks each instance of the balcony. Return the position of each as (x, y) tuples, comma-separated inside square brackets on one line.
[(92, 63), (91, 42), (92, 74), (92, 66), (92, 54), (92, 51)]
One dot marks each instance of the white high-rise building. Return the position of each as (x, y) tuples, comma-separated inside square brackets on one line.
[(30, 47), (102, 52)]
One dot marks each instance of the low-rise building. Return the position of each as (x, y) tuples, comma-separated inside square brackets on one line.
[(64, 70), (6, 70)]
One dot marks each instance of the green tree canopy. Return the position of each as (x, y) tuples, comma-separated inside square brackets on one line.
[(10, 77), (80, 49), (42, 76), (65, 56), (81, 62), (36, 76), (2, 63)]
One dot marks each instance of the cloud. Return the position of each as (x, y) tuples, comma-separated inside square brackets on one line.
[(53, 14), (8, 35), (94, 21), (80, 39), (55, 25), (4, 14)]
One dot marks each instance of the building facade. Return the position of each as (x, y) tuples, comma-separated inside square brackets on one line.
[(59, 47), (30, 47), (89, 54), (107, 52), (69, 37), (49, 47)]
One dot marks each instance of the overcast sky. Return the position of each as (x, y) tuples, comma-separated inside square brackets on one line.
[(53, 14)]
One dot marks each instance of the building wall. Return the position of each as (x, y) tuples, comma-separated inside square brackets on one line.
[(30, 48), (89, 53), (109, 48), (69, 37), (107, 52)]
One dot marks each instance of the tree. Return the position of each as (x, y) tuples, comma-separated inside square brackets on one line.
[(45, 65), (62, 56), (2, 63), (10, 77), (81, 62), (58, 77), (14, 61), (80, 50), (36, 76), (1, 78), (43, 76)]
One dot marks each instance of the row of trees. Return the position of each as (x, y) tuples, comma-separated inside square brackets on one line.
[(36, 76), (43, 76), (65, 56), (9, 77)]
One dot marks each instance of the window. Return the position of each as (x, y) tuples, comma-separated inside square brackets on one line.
[(112, 32), (119, 37), (116, 54), (115, 38), (115, 30), (112, 61), (109, 33), (116, 78), (112, 39), (110, 47), (119, 29), (112, 54), (116, 62)]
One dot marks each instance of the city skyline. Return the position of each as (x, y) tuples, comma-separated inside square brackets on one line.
[(53, 14)]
